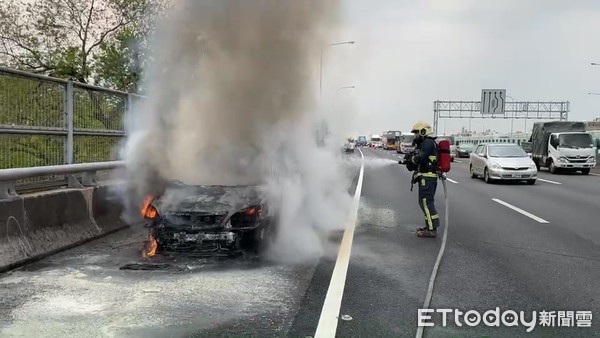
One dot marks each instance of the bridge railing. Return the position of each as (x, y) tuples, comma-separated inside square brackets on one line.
[(88, 171), (46, 121)]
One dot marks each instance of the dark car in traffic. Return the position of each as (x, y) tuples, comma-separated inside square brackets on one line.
[(209, 220), (464, 150)]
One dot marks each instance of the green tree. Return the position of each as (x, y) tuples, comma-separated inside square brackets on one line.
[(80, 40), (103, 42)]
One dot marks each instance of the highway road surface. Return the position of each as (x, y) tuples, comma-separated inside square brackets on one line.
[(512, 246)]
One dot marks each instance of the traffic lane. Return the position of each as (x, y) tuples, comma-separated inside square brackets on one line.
[(487, 265), (389, 266), (186, 298), (484, 231), (588, 185), (497, 257), (382, 154), (569, 211), (82, 292), (308, 313)]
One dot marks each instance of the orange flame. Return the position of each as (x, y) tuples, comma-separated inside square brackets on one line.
[(253, 211), (151, 245), (148, 211)]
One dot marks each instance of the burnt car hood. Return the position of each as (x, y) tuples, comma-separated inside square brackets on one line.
[(207, 199)]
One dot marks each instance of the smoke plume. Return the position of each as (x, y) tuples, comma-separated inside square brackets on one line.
[(231, 101)]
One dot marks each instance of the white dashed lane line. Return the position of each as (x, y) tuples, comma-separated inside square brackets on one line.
[(548, 181), (521, 211)]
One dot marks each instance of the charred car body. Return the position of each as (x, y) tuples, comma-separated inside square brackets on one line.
[(209, 220)]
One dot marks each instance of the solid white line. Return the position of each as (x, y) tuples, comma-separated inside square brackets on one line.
[(330, 313), (451, 180), (508, 205), (436, 266), (543, 180), (458, 161), (594, 174)]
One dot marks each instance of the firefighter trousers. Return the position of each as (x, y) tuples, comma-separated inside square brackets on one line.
[(427, 188)]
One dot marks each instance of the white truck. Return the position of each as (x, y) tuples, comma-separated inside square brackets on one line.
[(406, 143), (563, 146), (376, 141)]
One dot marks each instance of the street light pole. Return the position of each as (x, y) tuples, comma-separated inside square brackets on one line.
[(321, 68), (321, 77), (322, 128), (342, 88)]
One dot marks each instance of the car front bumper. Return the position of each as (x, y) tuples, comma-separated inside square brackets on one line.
[(213, 240), (571, 165), (504, 174)]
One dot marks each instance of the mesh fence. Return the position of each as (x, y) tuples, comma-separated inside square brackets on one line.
[(31, 103), (22, 150), (97, 110), (95, 148), (35, 123)]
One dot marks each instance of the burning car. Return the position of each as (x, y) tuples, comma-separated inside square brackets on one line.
[(208, 220)]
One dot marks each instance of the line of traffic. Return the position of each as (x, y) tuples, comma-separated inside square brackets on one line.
[(514, 205)]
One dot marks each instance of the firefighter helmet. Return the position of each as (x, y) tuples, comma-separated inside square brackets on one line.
[(422, 128)]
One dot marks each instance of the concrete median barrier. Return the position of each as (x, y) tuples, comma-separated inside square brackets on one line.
[(107, 209), (37, 225)]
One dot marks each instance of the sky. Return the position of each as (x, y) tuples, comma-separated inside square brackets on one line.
[(409, 53)]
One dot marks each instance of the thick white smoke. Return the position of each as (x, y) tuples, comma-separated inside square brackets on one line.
[(231, 102)]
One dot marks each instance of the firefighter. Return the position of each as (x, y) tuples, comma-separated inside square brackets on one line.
[(424, 164)]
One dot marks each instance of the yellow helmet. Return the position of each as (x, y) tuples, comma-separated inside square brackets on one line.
[(422, 128)]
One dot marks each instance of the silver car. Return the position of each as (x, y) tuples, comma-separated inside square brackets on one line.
[(502, 162)]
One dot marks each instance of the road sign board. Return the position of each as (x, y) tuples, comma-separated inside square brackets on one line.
[(493, 101)]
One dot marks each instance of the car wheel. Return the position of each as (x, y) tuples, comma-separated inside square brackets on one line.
[(262, 238), (486, 176), (552, 168), (473, 174), (531, 182), (585, 171)]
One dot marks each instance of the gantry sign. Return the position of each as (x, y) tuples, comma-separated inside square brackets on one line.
[(493, 104)]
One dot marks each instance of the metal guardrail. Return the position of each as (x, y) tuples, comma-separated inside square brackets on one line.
[(8, 177), (46, 121)]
